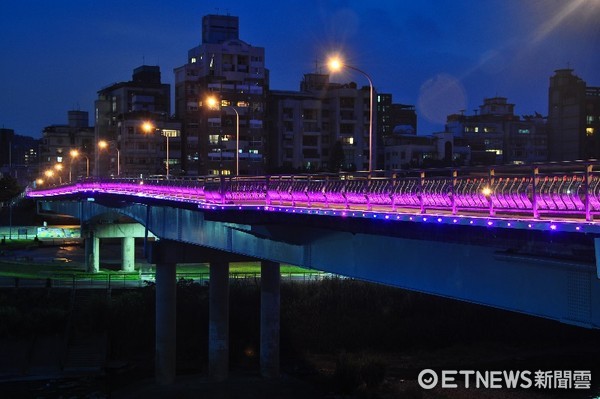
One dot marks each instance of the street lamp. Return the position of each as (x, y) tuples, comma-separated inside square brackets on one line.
[(213, 104), (149, 127), (58, 167), (74, 154), (335, 64), (49, 173), (103, 144)]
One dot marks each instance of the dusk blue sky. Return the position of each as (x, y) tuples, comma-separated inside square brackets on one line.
[(442, 56)]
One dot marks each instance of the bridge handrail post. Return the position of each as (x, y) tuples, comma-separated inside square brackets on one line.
[(587, 203), (421, 187), (453, 191), (393, 191), (267, 197), (534, 187), (491, 175)]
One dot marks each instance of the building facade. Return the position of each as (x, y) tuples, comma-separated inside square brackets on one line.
[(133, 119), (324, 126), (404, 151), (220, 97), (56, 145), (497, 136), (573, 118), (18, 156)]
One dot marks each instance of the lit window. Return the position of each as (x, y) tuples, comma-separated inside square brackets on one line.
[(589, 131), (193, 60), (213, 139), (524, 131), (348, 140), (590, 119), (476, 130)]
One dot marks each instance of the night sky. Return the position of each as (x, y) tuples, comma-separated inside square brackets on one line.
[(442, 56)]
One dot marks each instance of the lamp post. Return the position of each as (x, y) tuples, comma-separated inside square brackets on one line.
[(58, 167), (149, 127), (74, 154), (335, 64), (214, 104), (103, 144)]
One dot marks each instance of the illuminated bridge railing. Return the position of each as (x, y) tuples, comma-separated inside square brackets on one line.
[(571, 189)]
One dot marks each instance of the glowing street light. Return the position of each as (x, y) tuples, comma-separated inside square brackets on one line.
[(74, 154), (103, 144), (213, 104), (49, 173), (58, 167), (335, 65), (149, 127)]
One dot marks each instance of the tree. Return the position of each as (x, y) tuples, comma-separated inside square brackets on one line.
[(9, 188)]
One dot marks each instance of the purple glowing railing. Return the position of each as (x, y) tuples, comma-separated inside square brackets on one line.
[(572, 190)]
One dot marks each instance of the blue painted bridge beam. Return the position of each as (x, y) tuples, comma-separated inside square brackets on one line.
[(543, 272)]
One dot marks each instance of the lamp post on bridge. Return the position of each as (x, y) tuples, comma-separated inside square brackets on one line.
[(335, 64), (213, 103), (149, 127), (104, 144), (74, 154)]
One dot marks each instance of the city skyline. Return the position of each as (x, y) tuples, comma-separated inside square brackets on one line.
[(441, 57)]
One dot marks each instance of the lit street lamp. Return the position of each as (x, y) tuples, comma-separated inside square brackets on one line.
[(58, 167), (214, 104), (103, 144), (74, 154), (335, 64), (149, 127)]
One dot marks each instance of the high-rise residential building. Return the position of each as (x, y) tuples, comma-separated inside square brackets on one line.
[(18, 156), (324, 126), (573, 118), (392, 119), (497, 136), (58, 141), (133, 119), (220, 96)]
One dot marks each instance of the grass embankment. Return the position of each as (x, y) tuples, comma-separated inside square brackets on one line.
[(25, 268)]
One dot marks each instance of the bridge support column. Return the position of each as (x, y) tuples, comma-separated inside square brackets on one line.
[(269, 318), (165, 360), (92, 253), (218, 321), (128, 254)]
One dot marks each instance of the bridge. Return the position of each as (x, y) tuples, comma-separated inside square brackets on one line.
[(522, 239)]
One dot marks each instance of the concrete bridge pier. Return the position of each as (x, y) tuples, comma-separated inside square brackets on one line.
[(165, 352), (92, 252), (218, 321), (125, 231), (269, 318), (128, 254)]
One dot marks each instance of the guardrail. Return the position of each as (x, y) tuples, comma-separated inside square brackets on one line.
[(555, 189)]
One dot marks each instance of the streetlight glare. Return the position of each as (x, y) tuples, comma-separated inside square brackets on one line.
[(102, 144), (212, 102), (148, 126), (335, 64), (74, 153)]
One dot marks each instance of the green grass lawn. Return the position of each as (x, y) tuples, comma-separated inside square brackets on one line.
[(23, 269)]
